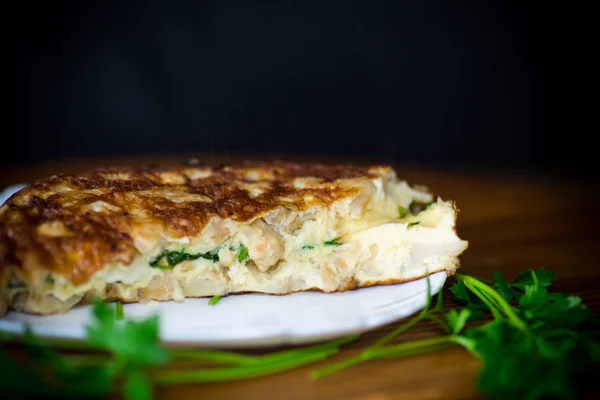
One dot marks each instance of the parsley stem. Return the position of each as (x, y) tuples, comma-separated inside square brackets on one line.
[(214, 300), (250, 366), (336, 367), (224, 357), (439, 304), (119, 311), (221, 357), (308, 350), (402, 328), (439, 321), (390, 336), (399, 330), (486, 300), (414, 348), (399, 350), (240, 372), (468, 344), (496, 297)]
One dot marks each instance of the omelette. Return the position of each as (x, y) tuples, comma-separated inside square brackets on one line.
[(164, 233)]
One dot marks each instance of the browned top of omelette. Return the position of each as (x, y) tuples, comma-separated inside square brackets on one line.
[(73, 225)]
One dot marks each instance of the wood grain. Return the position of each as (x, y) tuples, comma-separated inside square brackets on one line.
[(513, 222)]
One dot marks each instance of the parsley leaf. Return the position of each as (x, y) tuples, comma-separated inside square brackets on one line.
[(476, 313), (456, 320), (473, 303), (47, 373), (503, 288), (544, 278), (402, 212), (460, 292), (560, 309), (243, 254), (332, 243), (534, 298), (515, 366), (174, 257), (535, 347), (544, 337), (125, 357), (133, 343)]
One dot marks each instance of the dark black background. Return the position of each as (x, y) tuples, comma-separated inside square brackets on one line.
[(487, 84)]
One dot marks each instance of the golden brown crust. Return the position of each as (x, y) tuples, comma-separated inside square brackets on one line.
[(74, 225)]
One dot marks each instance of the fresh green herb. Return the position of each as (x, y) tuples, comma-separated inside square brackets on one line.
[(214, 300), (174, 257), (428, 205), (47, 374), (402, 212), (535, 336), (413, 223), (542, 277), (544, 337), (308, 247), (137, 386), (49, 279), (133, 345), (245, 367), (120, 353), (332, 243), (119, 311), (127, 358), (508, 291), (473, 303), (243, 254)]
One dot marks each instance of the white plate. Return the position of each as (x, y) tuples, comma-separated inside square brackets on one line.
[(250, 320), (9, 191)]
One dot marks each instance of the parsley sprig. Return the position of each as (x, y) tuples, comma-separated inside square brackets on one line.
[(126, 357), (534, 346)]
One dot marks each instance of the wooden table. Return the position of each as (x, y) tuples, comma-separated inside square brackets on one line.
[(513, 222)]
